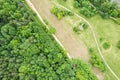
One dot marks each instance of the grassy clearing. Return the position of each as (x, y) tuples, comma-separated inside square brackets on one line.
[(106, 30)]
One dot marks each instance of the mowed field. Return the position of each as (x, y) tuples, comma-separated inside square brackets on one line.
[(107, 30)]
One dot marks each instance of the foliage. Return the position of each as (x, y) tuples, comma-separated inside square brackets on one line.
[(29, 52), (91, 50), (105, 8), (85, 8), (84, 25), (52, 30), (76, 4), (46, 21), (82, 72), (76, 29), (106, 45), (59, 13), (96, 61), (80, 27), (118, 44), (65, 0)]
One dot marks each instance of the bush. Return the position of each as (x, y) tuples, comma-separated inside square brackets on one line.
[(118, 44), (76, 29), (54, 10), (46, 21), (52, 30), (106, 45), (86, 12), (59, 13), (97, 62), (91, 50), (101, 39), (84, 25), (76, 4)]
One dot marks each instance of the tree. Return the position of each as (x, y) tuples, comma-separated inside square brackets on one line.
[(76, 4), (106, 45)]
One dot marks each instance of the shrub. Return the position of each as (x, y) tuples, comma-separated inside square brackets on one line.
[(46, 21), (76, 29), (76, 4), (59, 13), (84, 25), (52, 30), (118, 44), (101, 39), (97, 62), (106, 45), (54, 10), (91, 50)]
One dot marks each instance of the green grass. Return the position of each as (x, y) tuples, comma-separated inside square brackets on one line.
[(109, 31), (106, 30)]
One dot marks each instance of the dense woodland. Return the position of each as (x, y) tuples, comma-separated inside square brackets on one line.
[(29, 52), (106, 8)]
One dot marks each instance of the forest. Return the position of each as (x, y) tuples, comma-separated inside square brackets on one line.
[(106, 8), (29, 52)]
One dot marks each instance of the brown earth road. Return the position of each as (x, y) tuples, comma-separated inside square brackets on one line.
[(64, 33)]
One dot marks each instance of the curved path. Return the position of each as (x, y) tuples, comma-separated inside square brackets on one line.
[(94, 36)]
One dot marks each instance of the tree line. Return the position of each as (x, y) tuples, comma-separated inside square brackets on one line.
[(106, 8)]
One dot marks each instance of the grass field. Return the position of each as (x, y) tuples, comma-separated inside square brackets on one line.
[(106, 30)]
